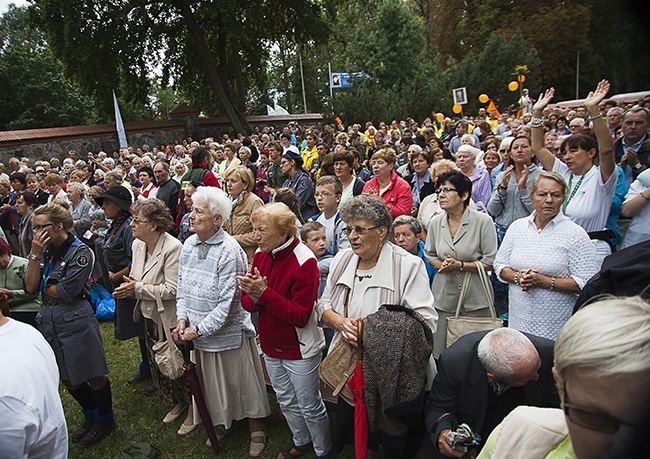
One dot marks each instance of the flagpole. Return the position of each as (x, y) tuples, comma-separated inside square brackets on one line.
[(302, 80), (329, 69)]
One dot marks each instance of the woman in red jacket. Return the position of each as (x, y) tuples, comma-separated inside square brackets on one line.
[(391, 188), (282, 287)]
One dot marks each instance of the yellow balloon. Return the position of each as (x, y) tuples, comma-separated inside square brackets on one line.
[(513, 86), (521, 78), (440, 117), (457, 108), (483, 98)]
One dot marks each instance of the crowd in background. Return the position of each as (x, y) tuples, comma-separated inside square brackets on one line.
[(272, 247)]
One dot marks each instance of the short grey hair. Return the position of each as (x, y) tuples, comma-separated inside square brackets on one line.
[(370, 207), (551, 176), (78, 188), (616, 109), (505, 143), (504, 350), (468, 149), (470, 137), (114, 176), (214, 199), (413, 223), (608, 338)]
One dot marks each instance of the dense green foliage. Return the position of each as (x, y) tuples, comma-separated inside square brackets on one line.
[(232, 57), (35, 93)]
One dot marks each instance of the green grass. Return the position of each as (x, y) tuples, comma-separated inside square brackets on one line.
[(139, 418)]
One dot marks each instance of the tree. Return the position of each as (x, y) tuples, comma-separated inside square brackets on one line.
[(35, 92), (215, 51), (491, 70), (402, 78)]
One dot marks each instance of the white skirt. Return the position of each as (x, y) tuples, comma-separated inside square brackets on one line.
[(232, 383)]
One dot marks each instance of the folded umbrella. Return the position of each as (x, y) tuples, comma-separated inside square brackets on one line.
[(357, 387), (189, 368)]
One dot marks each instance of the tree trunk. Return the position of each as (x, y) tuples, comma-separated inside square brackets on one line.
[(234, 115)]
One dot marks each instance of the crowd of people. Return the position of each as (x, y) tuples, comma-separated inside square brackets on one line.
[(263, 252)]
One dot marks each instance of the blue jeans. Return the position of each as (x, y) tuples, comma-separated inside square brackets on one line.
[(297, 389)]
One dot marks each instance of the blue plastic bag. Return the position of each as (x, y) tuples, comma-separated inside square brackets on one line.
[(103, 302)]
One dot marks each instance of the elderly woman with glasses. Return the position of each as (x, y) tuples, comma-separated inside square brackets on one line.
[(373, 272), (458, 239), (602, 369), (152, 281), (210, 314)]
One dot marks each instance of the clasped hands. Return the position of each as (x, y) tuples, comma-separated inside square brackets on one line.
[(253, 284), (449, 264), (529, 278)]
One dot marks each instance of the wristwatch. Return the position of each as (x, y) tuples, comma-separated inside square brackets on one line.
[(637, 166), (198, 332)]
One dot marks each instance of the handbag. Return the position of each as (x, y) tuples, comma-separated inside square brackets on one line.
[(338, 366), (168, 357), (458, 325)]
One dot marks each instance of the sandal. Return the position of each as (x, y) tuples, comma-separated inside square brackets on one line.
[(256, 449), (301, 451), (221, 434)]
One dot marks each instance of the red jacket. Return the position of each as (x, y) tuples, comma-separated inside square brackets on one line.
[(287, 325), (397, 197)]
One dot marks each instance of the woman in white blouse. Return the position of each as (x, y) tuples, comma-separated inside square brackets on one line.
[(591, 187), (546, 259)]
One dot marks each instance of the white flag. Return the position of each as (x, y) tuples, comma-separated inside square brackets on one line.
[(121, 133), (279, 110)]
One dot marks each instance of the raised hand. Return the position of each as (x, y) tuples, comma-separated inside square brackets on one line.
[(595, 97), (544, 99)]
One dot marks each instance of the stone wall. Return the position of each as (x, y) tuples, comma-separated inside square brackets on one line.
[(60, 148), (38, 144)]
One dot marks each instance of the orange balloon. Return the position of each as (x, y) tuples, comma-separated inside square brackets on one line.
[(513, 86), (440, 117), (521, 78), (483, 98), (457, 108)]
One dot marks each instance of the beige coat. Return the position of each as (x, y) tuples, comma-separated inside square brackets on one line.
[(239, 224), (158, 274)]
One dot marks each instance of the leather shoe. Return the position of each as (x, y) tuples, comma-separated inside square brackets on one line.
[(149, 390), (83, 430), (140, 377), (98, 432)]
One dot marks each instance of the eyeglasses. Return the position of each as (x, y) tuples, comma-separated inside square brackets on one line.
[(591, 419), (283, 162), (445, 190), (323, 195), (40, 227), (360, 230), (136, 220)]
